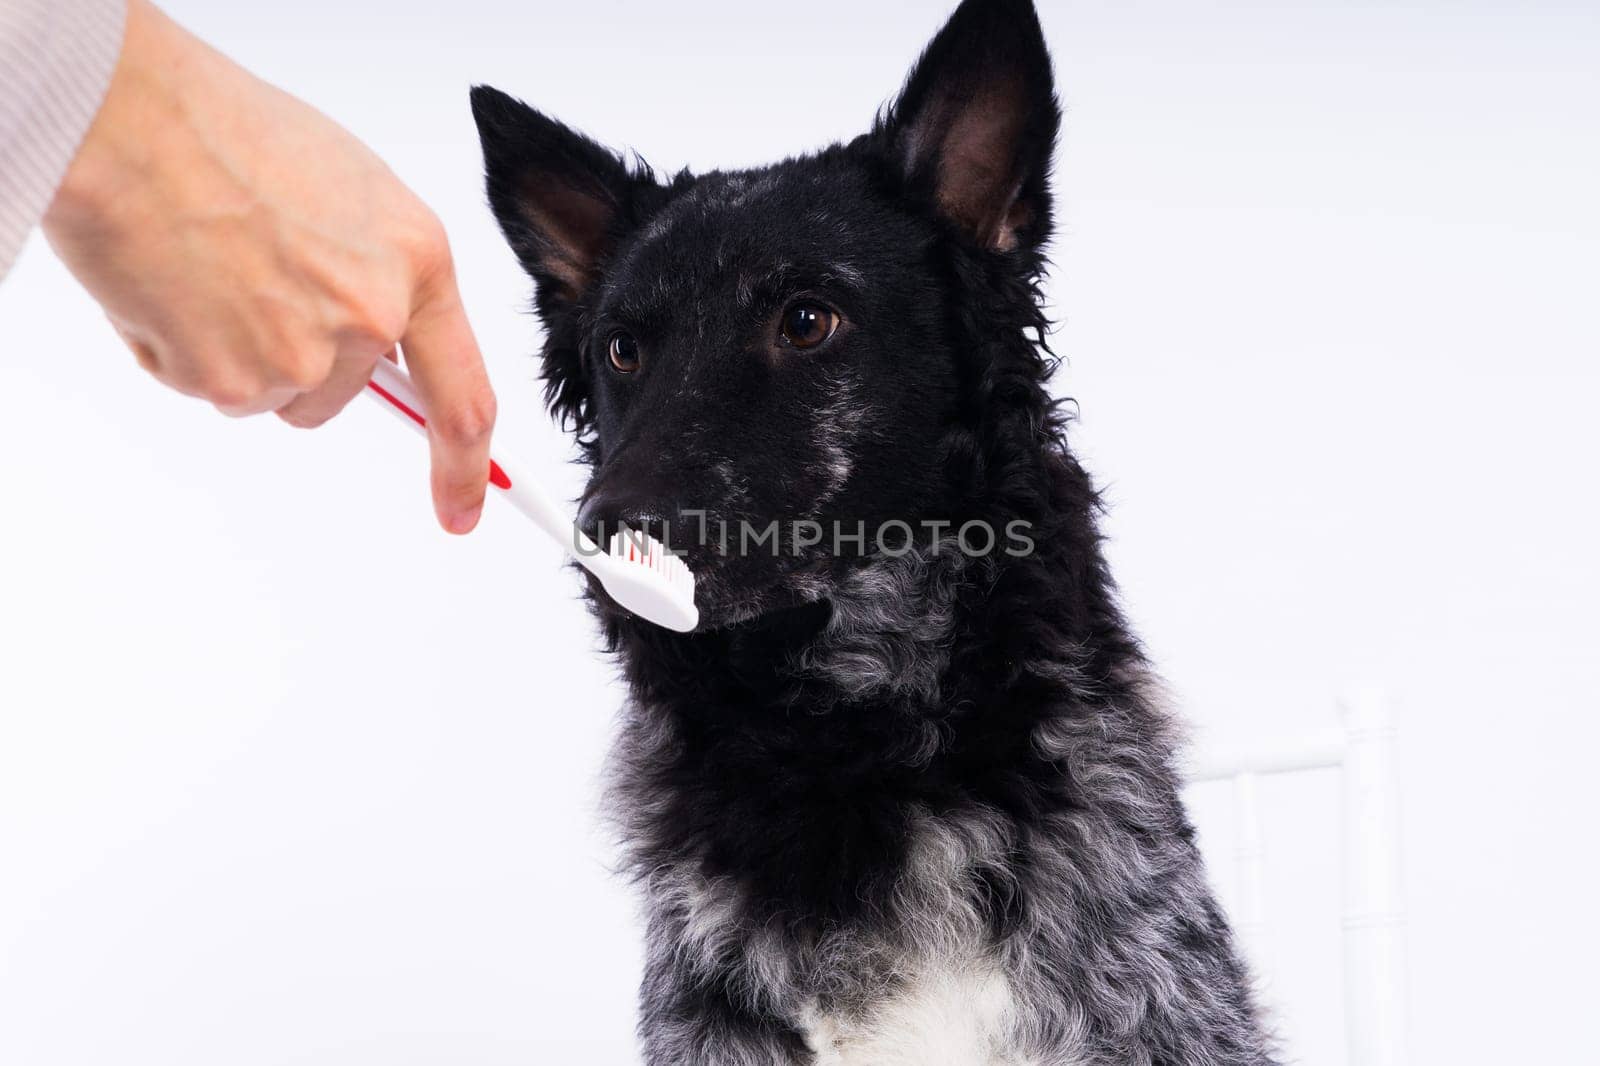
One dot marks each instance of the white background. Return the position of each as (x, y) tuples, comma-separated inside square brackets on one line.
[(286, 775)]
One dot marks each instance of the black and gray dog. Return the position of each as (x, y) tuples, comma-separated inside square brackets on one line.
[(905, 798)]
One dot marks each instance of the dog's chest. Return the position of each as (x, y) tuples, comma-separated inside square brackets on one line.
[(960, 1016)]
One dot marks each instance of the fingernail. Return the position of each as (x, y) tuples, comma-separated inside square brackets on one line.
[(464, 521)]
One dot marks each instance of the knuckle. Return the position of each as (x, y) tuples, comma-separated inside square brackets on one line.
[(424, 237), (469, 422), (381, 326), (234, 389), (232, 396), (146, 357), (306, 368)]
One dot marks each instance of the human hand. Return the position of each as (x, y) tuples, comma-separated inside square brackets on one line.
[(253, 253)]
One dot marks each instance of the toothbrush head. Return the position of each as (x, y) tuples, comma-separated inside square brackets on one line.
[(648, 580)]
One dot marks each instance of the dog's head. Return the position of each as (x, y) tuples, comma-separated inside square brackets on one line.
[(801, 343)]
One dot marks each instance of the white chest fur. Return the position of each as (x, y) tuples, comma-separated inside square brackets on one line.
[(955, 1017)]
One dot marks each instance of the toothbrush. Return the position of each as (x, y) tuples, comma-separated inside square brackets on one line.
[(638, 571)]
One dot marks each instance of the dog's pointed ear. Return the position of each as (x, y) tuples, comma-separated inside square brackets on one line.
[(975, 126), (562, 200)]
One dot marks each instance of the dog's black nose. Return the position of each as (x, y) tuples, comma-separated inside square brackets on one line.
[(605, 513)]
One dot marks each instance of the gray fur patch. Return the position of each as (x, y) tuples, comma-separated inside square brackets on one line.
[(892, 623)]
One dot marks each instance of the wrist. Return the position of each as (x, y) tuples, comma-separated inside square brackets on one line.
[(138, 123)]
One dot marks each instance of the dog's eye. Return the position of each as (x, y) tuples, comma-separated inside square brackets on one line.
[(623, 351), (806, 325)]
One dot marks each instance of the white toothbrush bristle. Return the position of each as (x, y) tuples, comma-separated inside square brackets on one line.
[(651, 581)]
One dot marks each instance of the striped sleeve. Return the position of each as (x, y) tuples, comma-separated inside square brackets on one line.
[(56, 61)]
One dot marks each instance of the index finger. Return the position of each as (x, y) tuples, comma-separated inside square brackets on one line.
[(443, 358)]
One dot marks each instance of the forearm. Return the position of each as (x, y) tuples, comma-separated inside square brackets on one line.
[(56, 61), (247, 249)]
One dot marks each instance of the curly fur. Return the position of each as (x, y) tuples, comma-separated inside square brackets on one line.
[(882, 810)]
